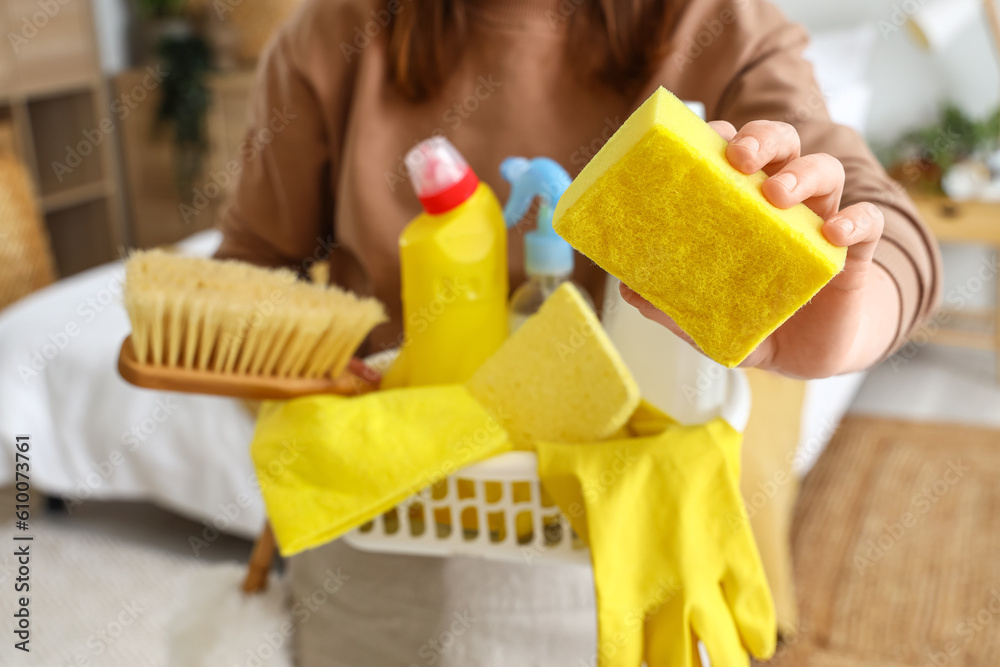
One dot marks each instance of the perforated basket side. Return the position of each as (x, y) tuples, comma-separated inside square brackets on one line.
[(496, 509)]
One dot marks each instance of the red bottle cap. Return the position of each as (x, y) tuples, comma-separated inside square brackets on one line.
[(440, 175)]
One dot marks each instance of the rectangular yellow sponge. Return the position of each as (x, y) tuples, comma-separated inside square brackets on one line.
[(661, 208), (558, 378)]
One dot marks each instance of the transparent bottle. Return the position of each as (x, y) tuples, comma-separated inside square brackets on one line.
[(548, 259)]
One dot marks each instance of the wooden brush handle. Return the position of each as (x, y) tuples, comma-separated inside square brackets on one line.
[(357, 379)]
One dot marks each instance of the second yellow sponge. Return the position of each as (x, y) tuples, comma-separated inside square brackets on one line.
[(661, 208), (558, 378)]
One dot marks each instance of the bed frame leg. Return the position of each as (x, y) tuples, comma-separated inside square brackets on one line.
[(261, 560)]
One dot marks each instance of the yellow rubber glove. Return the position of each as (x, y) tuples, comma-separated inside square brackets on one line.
[(328, 464), (670, 565)]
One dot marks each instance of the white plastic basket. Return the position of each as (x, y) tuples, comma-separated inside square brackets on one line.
[(479, 510)]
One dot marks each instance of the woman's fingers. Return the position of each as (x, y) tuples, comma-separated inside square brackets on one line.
[(817, 180), (725, 129), (857, 227), (762, 355), (651, 312), (764, 144)]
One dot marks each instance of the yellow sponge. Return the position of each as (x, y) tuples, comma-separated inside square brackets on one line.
[(661, 208), (558, 378)]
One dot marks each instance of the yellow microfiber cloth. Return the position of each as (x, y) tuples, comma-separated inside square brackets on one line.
[(327, 464), (558, 377), (661, 208), (673, 554)]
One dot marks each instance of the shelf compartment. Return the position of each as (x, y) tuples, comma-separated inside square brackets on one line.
[(69, 142), (81, 237)]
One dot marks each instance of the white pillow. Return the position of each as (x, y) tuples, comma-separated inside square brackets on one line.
[(841, 59), (95, 437)]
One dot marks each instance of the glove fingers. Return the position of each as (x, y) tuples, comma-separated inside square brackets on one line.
[(619, 638), (714, 626), (669, 641), (752, 608)]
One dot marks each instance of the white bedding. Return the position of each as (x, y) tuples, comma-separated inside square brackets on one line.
[(93, 436)]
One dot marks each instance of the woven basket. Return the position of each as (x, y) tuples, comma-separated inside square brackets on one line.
[(25, 255)]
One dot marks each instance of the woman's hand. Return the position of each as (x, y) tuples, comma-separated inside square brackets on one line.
[(853, 320)]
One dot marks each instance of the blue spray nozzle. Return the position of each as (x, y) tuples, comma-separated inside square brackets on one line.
[(545, 252)]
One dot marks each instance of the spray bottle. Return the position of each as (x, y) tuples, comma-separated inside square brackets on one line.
[(548, 259), (453, 259)]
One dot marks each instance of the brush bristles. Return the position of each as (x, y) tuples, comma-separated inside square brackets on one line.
[(231, 317)]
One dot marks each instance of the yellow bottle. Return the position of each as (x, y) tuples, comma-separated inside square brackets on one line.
[(454, 272)]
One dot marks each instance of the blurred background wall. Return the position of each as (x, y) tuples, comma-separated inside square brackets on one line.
[(909, 82)]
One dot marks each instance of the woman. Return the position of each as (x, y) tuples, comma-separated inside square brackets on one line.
[(356, 83)]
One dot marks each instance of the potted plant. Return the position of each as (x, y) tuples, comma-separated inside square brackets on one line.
[(185, 55), (958, 155)]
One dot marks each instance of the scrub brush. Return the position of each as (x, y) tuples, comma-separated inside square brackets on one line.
[(225, 327)]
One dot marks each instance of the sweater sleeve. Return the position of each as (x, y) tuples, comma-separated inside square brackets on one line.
[(280, 211), (754, 70)]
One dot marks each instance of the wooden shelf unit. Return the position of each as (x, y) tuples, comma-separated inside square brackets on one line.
[(971, 222), (53, 100)]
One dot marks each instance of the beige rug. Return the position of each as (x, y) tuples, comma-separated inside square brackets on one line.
[(896, 546), (103, 602)]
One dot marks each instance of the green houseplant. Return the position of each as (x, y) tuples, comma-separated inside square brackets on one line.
[(921, 157), (184, 93)]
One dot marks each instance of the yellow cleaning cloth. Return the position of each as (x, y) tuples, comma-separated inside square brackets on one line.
[(661, 208), (558, 377), (672, 551), (328, 464)]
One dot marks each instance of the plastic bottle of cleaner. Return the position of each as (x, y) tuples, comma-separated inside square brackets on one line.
[(454, 271), (548, 259)]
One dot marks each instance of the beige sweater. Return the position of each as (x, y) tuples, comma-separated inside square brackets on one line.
[(332, 132)]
